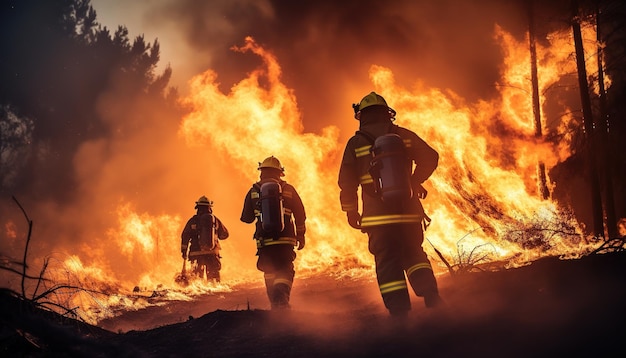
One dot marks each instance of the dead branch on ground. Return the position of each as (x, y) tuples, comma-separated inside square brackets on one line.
[(616, 244), (465, 262)]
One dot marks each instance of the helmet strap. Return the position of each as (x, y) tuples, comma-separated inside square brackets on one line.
[(392, 114), (357, 111)]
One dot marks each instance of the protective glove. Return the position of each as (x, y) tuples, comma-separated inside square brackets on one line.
[(301, 242), (354, 219), (420, 192)]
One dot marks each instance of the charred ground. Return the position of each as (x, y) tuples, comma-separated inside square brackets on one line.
[(549, 308)]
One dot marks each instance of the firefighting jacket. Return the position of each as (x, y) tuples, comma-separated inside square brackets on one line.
[(354, 172), (293, 211), (191, 234)]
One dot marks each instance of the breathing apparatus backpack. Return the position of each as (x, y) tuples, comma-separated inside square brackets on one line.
[(205, 231), (271, 205), (390, 168)]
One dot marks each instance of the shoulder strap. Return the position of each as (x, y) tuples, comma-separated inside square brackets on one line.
[(370, 138)]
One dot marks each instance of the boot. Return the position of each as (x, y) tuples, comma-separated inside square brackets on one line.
[(280, 296), (432, 300)]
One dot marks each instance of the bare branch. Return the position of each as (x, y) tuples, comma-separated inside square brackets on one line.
[(442, 258), (20, 273), (56, 288), (41, 273), (48, 304), (30, 230)]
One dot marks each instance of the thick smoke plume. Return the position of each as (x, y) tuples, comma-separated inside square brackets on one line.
[(326, 47)]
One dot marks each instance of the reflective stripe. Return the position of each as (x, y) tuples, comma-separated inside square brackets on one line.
[(287, 194), (362, 151), (366, 179), (423, 265), (392, 286), (286, 211), (254, 195), (349, 207), (365, 150), (283, 281), (261, 242), (390, 219), (203, 252)]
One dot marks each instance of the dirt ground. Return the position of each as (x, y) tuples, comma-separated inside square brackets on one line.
[(549, 308)]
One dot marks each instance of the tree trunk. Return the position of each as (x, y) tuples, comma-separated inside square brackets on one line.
[(603, 125), (541, 167), (590, 150)]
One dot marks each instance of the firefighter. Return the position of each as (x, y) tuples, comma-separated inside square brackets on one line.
[(394, 228), (201, 237), (275, 235)]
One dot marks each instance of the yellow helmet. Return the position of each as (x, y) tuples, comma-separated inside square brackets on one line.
[(204, 201), (272, 162), (372, 99)]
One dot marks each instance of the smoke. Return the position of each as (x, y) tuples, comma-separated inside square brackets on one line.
[(326, 47)]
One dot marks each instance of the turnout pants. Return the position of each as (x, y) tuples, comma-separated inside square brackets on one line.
[(209, 265), (276, 263), (397, 250)]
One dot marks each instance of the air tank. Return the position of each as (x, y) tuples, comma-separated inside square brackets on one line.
[(272, 217), (205, 228), (391, 168)]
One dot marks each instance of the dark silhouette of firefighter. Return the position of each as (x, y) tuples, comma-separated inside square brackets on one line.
[(280, 226), (380, 158), (201, 237)]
